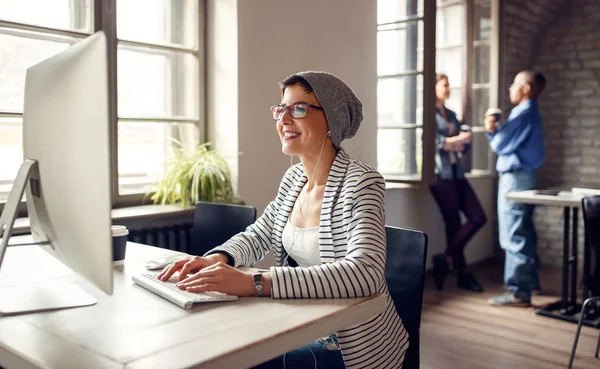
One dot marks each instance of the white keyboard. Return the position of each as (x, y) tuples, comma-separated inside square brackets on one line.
[(181, 298)]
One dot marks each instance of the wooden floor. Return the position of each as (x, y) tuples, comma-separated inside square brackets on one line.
[(460, 330)]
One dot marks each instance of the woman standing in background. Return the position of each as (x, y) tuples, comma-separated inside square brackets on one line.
[(453, 193)]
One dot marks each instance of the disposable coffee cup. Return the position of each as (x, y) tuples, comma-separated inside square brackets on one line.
[(495, 112), (119, 239)]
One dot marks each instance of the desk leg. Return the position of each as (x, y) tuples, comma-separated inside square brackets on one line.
[(565, 267), (564, 309), (574, 261), (586, 266)]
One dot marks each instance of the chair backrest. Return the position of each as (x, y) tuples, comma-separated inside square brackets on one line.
[(591, 220), (405, 276), (215, 223)]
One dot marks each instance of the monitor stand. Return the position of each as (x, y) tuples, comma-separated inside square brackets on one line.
[(26, 298)]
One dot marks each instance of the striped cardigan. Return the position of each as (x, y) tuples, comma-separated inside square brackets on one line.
[(353, 251)]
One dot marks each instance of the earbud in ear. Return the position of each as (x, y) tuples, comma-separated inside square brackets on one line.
[(328, 134)]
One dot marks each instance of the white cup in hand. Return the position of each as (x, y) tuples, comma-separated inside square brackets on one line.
[(495, 112)]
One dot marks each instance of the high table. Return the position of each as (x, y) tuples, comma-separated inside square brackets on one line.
[(567, 306)]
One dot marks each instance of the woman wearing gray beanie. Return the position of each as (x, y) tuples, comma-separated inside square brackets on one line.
[(326, 229)]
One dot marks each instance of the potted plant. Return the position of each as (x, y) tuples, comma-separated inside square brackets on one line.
[(200, 174)]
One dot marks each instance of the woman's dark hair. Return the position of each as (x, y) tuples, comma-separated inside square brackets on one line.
[(440, 76), (295, 80)]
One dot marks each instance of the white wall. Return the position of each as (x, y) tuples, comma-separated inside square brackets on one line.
[(222, 79), (276, 38)]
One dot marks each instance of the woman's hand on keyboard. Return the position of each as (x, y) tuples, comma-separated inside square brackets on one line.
[(189, 265), (220, 277)]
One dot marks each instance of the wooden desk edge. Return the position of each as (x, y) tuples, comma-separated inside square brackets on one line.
[(255, 353)]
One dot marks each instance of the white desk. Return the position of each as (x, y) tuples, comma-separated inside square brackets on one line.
[(568, 306), (134, 328), (563, 199)]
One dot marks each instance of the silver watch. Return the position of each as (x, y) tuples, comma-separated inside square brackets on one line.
[(258, 283)]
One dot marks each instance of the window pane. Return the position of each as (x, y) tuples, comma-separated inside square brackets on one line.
[(11, 152), (481, 152), (161, 84), (63, 14), (17, 54), (158, 21), (482, 24), (481, 67), (450, 26), (397, 49), (398, 99), (400, 152), (394, 10), (144, 149), (450, 63), (481, 103)]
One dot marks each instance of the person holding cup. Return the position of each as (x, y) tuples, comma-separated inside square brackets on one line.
[(453, 193), (519, 144)]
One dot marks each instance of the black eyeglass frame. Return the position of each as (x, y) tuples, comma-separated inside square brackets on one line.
[(286, 107)]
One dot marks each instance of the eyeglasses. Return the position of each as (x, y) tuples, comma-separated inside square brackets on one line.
[(297, 110)]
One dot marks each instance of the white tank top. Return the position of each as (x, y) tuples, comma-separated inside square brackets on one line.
[(302, 244)]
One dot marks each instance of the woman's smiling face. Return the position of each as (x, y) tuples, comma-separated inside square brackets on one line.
[(301, 136)]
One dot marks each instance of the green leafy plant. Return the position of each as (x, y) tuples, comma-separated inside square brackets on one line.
[(195, 175)]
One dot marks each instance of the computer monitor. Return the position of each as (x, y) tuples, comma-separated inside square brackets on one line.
[(67, 169)]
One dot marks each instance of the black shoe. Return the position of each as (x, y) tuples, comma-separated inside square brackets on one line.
[(466, 281), (440, 270)]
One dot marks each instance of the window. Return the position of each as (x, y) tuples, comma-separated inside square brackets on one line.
[(483, 45), (26, 38), (156, 64), (464, 53), (450, 47), (464, 45), (399, 89), (158, 86)]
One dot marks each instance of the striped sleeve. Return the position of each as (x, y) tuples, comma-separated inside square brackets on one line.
[(248, 247), (361, 272)]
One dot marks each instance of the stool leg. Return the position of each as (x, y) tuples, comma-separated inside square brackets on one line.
[(597, 347)]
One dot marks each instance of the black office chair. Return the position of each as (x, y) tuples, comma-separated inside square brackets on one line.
[(591, 221), (405, 276), (215, 223)]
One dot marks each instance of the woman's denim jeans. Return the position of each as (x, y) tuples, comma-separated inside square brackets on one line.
[(325, 356), (517, 234)]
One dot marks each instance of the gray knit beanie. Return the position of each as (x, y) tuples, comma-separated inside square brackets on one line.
[(343, 110)]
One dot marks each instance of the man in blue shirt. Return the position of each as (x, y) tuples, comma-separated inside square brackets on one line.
[(519, 144)]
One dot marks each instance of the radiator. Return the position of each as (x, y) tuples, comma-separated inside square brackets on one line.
[(172, 237)]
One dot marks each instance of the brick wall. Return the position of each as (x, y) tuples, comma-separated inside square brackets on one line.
[(525, 25), (567, 51)]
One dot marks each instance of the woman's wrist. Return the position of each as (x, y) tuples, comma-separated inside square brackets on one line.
[(217, 257), (266, 284), (449, 144)]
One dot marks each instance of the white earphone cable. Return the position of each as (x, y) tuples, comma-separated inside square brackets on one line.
[(294, 236)]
